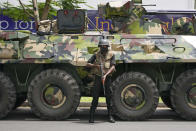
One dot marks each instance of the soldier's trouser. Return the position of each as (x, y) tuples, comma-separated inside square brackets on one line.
[(98, 87)]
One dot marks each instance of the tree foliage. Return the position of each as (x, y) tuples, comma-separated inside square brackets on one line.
[(17, 12), (69, 4)]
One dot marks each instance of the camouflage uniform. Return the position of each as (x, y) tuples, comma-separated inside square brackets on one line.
[(108, 61)]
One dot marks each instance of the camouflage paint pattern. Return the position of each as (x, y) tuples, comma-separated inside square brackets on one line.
[(78, 48), (127, 45), (130, 19), (182, 26), (9, 50)]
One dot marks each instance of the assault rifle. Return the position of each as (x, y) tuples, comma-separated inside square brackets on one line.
[(102, 74)]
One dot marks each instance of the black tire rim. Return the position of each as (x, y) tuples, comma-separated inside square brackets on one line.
[(191, 96), (53, 96), (133, 97)]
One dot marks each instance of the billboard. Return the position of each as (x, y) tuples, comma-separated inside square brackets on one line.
[(168, 18)]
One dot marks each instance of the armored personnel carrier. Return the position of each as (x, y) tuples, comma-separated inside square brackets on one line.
[(49, 68)]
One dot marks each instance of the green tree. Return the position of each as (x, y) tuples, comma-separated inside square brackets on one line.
[(69, 4), (63, 4), (47, 9), (12, 11)]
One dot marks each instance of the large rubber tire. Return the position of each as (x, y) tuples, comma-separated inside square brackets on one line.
[(166, 99), (151, 96), (7, 95), (68, 85), (179, 91)]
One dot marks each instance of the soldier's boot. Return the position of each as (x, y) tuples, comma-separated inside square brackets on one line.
[(111, 118), (91, 117)]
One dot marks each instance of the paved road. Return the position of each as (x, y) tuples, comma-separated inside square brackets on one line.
[(163, 120)]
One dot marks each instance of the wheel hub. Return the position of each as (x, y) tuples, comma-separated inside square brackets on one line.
[(133, 97), (53, 96), (191, 97)]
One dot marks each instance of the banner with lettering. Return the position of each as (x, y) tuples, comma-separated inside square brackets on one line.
[(7, 23)]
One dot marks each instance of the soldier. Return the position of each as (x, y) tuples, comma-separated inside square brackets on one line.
[(106, 58)]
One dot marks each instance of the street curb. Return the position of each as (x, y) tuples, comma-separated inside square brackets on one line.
[(88, 104)]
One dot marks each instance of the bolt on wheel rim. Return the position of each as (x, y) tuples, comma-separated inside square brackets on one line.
[(133, 97), (53, 96)]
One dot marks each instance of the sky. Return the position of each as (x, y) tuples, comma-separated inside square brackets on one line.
[(160, 4)]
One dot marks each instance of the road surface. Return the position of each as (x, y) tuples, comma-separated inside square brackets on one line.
[(163, 119)]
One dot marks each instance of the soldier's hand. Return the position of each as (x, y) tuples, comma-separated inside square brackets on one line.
[(104, 77)]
